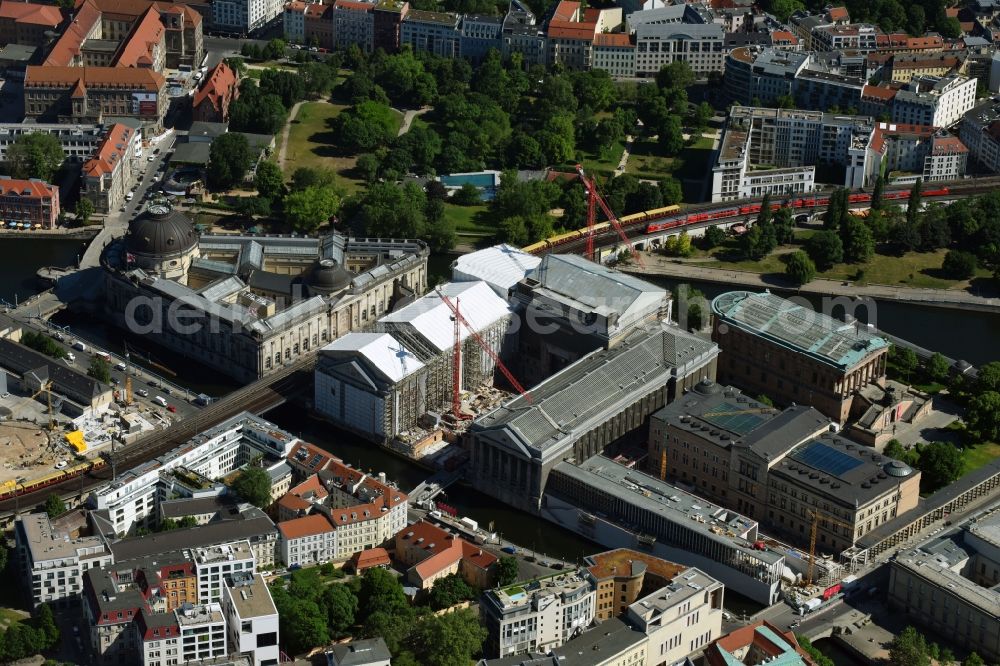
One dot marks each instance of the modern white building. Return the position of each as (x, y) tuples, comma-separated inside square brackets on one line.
[(203, 633), (538, 616), (702, 46), (251, 618), (245, 16), (212, 565), (980, 132), (851, 37), (433, 32), (132, 500), (51, 563), (935, 101)]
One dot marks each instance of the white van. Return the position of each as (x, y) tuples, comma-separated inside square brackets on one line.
[(130, 196), (160, 400), (79, 346)]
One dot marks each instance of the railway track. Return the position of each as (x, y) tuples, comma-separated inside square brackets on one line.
[(257, 397), (957, 189)]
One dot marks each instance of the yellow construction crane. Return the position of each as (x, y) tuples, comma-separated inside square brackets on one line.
[(128, 381), (816, 517)]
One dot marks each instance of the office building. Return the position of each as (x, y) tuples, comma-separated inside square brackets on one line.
[(432, 32), (538, 615), (792, 354), (51, 564), (251, 618), (700, 46), (980, 132), (781, 468), (243, 17), (936, 101), (479, 35), (214, 563)]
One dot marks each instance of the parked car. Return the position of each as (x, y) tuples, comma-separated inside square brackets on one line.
[(171, 408), (142, 393), (120, 366)]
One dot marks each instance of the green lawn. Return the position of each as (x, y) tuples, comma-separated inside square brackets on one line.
[(604, 163), (9, 616), (646, 161), (311, 143), (976, 456), (469, 219)]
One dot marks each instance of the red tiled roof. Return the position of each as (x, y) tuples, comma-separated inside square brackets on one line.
[(735, 641), (140, 44), (784, 36), (879, 92), (305, 526), (612, 39), (947, 145), (366, 559), (565, 10), (220, 87), (111, 151), (67, 47), (33, 189), (310, 457), (838, 14), (29, 12), (93, 77), (354, 5), (443, 548), (572, 30)]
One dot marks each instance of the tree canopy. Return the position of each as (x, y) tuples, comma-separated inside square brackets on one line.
[(35, 155), (229, 159), (253, 485)]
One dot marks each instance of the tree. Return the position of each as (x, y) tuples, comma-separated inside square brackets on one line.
[(451, 639), (817, 656), (307, 209), (84, 209), (909, 648), (950, 28), (228, 161), (506, 570), (274, 49), (389, 211), (987, 380), (54, 506), (341, 608), (904, 358), (960, 265), (677, 74), (764, 216), (671, 191), (937, 367), (678, 246), (449, 591), (904, 236), (304, 177), (381, 592), (301, 624), (290, 87), (983, 415), (913, 203), (514, 230), (99, 369), (43, 344), (251, 207), (714, 236), (269, 181), (366, 126), (467, 195), (973, 660), (895, 449), (35, 155), (253, 485), (256, 112), (825, 249), (877, 193), (940, 464), (859, 245), (799, 268), (671, 136)]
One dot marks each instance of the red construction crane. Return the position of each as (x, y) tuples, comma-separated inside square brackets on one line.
[(456, 359), (595, 199)]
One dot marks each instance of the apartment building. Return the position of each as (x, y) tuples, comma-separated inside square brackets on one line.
[(935, 101), (903, 67), (293, 22), (480, 34), (353, 24), (132, 500), (307, 540), (621, 575), (243, 17), (387, 20), (213, 564), (850, 37), (779, 467), (50, 563), (27, 23), (433, 32), (107, 177), (251, 618), (319, 25), (980, 132), (203, 633), (775, 152), (615, 53), (793, 354), (539, 615), (34, 202), (909, 152), (88, 94)]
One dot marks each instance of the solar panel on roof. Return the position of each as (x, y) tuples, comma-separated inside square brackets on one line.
[(738, 418), (316, 460), (827, 459)]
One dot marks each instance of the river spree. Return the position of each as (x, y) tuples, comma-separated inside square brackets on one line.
[(20, 259)]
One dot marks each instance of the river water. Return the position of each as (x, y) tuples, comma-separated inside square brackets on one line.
[(20, 259)]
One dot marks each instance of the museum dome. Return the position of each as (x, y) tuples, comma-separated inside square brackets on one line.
[(897, 468), (327, 276), (707, 387), (160, 230)]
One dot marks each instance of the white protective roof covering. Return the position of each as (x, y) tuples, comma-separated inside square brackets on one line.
[(501, 267), (382, 350), (431, 317)]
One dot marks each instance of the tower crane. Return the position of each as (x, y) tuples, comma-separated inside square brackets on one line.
[(816, 517), (595, 199), (456, 368)]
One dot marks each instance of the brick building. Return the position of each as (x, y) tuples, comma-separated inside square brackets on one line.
[(32, 201), (221, 88), (26, 22), (108, 175)]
